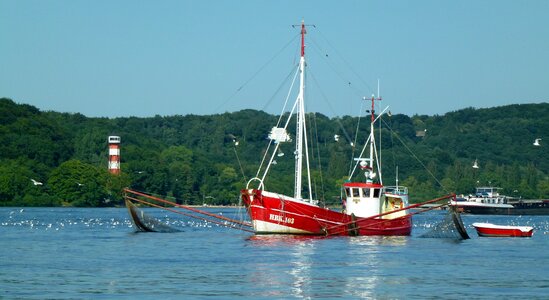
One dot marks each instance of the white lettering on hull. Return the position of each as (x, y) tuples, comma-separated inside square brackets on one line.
[(281, 219)]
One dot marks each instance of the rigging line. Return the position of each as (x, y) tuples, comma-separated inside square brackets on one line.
[(417, 158), (239, 163), (255, 74), (346, 62), (276, 147), (278, 90), (314, 137), (287, 96), (331, 109), (277, 125), (319, 161), (392, 145), (356, 137), (263, 159), (328, 62)]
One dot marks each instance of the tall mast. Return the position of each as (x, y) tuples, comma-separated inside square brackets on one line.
[(300, 131)]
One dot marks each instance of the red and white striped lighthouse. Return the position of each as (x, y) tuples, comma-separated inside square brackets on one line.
[(114, 154)]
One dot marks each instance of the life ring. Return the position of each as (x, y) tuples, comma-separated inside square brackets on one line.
[(261, 186)]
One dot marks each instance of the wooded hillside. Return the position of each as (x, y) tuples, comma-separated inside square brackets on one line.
[(195, 158)]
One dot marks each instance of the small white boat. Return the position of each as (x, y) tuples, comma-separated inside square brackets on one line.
[(493, 230)]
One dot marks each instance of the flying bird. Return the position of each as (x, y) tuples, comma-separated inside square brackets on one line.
[(36, 182)]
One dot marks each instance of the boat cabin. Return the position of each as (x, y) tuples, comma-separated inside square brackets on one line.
[(487, 192), (362, 199), (488, 195)]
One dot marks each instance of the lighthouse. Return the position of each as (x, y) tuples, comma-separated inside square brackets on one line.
[(114, 154)]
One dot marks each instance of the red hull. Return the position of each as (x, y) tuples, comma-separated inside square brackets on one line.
[(491, 230), (273, 213)]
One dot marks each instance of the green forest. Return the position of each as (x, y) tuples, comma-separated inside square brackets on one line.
[(60, 159)]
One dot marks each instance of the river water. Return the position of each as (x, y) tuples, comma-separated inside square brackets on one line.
[(75, 253)]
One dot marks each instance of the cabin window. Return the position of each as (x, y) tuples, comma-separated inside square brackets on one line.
[(365, 192), (348, 192), (376, 193), (356, 193)]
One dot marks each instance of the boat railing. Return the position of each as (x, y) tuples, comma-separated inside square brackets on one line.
[(396, 190)]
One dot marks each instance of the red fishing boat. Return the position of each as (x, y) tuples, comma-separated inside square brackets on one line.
[(492, 230), (369, 207)]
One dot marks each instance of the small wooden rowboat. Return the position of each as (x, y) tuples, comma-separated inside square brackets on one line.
[(492, 230)]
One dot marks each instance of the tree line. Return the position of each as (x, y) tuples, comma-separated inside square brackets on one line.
[(60, 159)]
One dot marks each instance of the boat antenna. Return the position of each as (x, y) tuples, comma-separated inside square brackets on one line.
[(372, 139), (303, 32)]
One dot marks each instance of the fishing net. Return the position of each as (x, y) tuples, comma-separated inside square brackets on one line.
[(451, 227), (146, 223)]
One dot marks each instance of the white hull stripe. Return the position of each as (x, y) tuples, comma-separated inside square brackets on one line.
[(267, 227)]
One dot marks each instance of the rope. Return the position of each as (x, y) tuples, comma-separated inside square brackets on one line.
[(387, 220), (331, 108), (346, 62), (390, 212), (187, 208), (417, 158), (343, 78), (255, 74), (239, 164), (189, 215)]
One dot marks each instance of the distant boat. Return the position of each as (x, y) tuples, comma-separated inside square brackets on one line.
[(488, 201), (492, 230)]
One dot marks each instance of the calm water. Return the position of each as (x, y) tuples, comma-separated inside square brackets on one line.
[(94, 253)]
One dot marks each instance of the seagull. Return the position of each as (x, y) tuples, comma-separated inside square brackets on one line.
[(36, 182), (536, 142)]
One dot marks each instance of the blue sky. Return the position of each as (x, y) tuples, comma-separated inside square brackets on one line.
[(146, 58)]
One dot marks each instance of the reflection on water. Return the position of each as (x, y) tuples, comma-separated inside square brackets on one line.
[(379, 240), (278, 240), (322, 266), (77, 253), (368, 255), (291, 273), (301, 263)]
